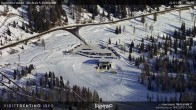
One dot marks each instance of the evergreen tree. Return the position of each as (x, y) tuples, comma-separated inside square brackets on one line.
[(19, 75), (22, 47), (108, 16), (165, 47), (103, 14), (93, 16), (22, 72), (40, 82), (185, 48), (130, 49), (191, 42), (8, 32), (14, 24), (142, 47), (116, 44), (26, 30), (142, 40), (53, 15), (132, 44), (116, 107), (143, 19), (58, 10), (175, 46), (70, 107), (147, 96), (14, 74), (149, 84), (117, 30), (158, 98), (155, 49), (23, 26), (130, 58), (109, 42), (183, 31), (43, 43)]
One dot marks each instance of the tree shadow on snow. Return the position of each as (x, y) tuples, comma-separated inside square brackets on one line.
[(150, 18), (182, 17), (176, 27), (103, 42), (110, 30), (168, 32), (93, 61)]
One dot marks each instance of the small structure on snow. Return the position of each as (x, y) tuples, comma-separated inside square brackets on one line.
[(104, 64)]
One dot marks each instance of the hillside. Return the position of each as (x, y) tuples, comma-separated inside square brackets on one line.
[(152, 56)]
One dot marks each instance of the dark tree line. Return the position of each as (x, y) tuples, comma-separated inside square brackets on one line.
[(46, 17), (53, 89), (118, 8), (23, 72), (177, 45), (167, 64), (118, 30)]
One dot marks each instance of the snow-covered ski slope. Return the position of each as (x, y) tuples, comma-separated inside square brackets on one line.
[(166, 23), (6, 22), (80, 70)]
